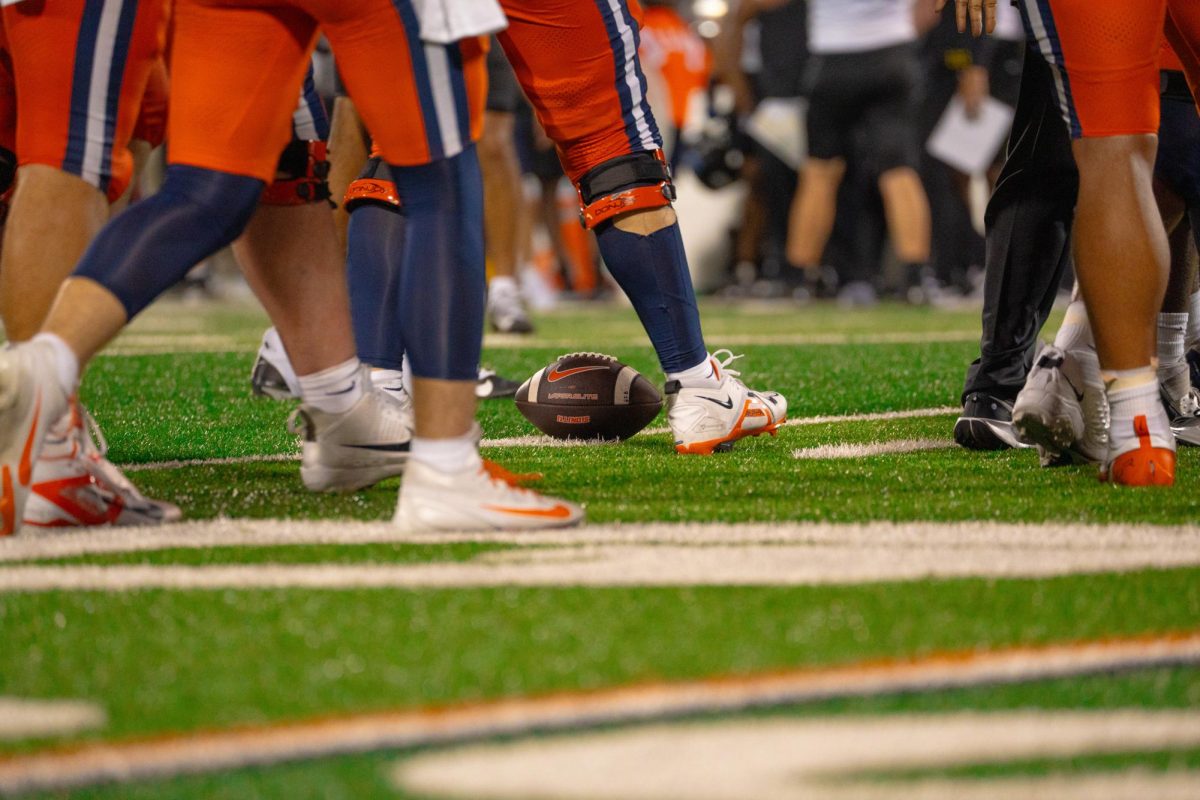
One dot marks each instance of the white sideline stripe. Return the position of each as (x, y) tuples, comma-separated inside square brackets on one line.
[(538, 440), (22, 718), (872, 449), (941, 536), (610, 556), (304, 739), (817, 759)]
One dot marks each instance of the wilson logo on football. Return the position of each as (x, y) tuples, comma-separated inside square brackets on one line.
[(555, 375)]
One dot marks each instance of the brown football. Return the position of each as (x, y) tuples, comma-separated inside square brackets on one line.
[(588, 396)]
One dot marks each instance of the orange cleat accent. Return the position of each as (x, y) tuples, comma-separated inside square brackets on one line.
[(723, 444), (1145, 466)]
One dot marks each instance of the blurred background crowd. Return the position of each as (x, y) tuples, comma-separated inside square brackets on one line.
[(732, 82)]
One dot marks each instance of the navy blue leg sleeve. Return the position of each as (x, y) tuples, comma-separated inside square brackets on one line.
[(653, 272), (376, 247), (152, 245), (442, 277)]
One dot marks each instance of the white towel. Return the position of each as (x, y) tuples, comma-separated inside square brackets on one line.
[(446, 21)]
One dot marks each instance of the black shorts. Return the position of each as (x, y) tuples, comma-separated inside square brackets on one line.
[(1178, 161), (504, 93), (864, 104)]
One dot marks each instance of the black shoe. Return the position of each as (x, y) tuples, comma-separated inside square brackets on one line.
[(985, 424), (1193, 360), (492, 385)]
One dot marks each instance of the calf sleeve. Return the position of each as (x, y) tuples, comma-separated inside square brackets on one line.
[(442, 274), (653, 271), (375, 249), (152, 245)]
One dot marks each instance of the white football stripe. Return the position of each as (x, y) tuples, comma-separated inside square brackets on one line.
[(620, 555), (22, 718), (298, 739), (834, 451), (817, 759)]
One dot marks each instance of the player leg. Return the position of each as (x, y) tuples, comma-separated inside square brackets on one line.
[(424, 117), (1028, 221), (577, 62), (503, 196), (1109, 94)]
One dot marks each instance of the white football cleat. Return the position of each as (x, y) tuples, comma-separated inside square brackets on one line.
[(272, 375), (75, 485), (479, 497), (1062, 409), (350, 451), (31, 400), (708, 420), (505, 309)]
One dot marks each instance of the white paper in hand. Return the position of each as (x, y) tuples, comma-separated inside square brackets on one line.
[(970, 145)]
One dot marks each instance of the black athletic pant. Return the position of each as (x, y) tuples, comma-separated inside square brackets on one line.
[(1028, 221)]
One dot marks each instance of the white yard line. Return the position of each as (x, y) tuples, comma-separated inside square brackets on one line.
[(627, 555), (500, 342), (816, 759), (22, 718), (537, 440), (893, 447), (296, 740)]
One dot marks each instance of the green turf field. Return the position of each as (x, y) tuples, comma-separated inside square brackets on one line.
[(173, 399)]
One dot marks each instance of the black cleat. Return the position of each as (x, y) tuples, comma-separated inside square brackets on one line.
[(1193, 362), (985, 424), (492, 385)]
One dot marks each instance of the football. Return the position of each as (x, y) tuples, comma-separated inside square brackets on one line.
[(588, 396)]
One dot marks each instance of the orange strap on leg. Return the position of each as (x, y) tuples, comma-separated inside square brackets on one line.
[(370, 190), (623, 184)]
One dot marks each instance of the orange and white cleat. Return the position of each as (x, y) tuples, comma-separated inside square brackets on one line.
[(31, 399), (75, 485), (709, 419), (1150, 461), (482, 496)]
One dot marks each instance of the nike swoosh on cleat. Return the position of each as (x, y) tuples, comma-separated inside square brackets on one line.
[(727, 404), (347, 390), (555, 375), (394, 447), (25, 468), (558, 512)]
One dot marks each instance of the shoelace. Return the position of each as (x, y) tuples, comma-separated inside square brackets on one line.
[(516, 480), (728, 358), (93, 438)]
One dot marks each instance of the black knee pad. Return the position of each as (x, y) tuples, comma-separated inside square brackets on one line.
[(622, 184)]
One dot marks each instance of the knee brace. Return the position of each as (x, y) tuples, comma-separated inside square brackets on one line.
[(302, 176), (368, 187), (622, 184)]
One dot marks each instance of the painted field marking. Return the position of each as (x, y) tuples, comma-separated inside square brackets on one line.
[(660, 554), (537, 440), (893, 447), (307, 739), (817, 759), (23, 718)]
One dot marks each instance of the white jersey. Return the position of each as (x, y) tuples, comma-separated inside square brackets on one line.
[(854, 26)]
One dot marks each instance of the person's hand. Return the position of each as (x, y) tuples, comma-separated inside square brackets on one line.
[(973, 87), (982, 14)]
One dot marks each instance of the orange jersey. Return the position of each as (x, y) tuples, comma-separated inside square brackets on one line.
[(416, 98), (80, 69), (1168, 61), (577, 61), (671, 48)]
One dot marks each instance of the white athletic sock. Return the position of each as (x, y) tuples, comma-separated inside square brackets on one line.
[(503, 283), (1193, 328), (447, 455), (334, 390), (1133, 393), (1075, 333), (66, 363), (1172, 368), (703, 375)]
